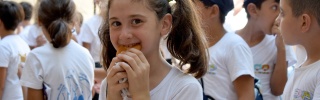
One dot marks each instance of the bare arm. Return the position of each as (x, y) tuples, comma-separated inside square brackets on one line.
[(244, 86), (3, 76), (279, 76), (34, 94), (86, 45)]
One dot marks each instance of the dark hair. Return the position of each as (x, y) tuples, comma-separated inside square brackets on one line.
[(55, 16), (11, 14), (80, 17), (27, 8), (186, 34), (311, 7), (222, 13), (258, 3)]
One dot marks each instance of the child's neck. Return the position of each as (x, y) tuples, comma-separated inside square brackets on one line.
[(214, 33), (313, 53), (251, 35), (5, 33), (159, 69)]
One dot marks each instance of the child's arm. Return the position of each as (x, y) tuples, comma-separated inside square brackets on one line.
[(244, 86), (3, 75), (34, 94), (279, 75)]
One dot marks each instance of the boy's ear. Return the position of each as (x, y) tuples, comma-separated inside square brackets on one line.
[(166, 24), (305, 22), (214, 11), (252, 10)]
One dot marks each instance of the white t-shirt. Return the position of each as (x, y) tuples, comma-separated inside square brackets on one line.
[(63, 73), (30, 34), (229, 59), (264, 58), (237, 22), (175, 86), (12, 50), (89, 34), (305, 83)]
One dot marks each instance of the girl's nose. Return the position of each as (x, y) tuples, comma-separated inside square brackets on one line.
[(126, 33)]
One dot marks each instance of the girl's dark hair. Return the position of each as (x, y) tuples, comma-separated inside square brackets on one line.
[(55, 16), (258, 3), (186, 41), (11, 14)]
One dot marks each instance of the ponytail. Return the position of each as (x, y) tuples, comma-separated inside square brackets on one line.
[(186, 40), (59, 33), (56, 17)]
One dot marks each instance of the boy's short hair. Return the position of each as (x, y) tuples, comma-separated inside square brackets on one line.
[(27, 8), (224, 7), (11, 14), (311, 7), (258, 4)]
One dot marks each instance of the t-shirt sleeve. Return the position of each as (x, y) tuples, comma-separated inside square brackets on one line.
[(86, 35), (4, 56), (240, 61), (290, 56), (192, 91), (32, 74)]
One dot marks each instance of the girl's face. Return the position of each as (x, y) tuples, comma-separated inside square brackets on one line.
[(266, 15), (132, 23)]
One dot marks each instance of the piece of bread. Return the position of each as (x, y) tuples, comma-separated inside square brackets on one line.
[(122, 48)]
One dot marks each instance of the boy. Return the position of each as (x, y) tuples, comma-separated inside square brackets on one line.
[(231, 75), (300, 24), (12, 51), (271, 56)]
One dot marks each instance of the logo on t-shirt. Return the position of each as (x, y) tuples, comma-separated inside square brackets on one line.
[(302, 95), (212, 69), (262, 69)]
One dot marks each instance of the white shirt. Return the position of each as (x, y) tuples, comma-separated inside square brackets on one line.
[(264, 58), (12, 50), (229, 59), (304, 84), (30, 34), (66, 73), (89, 34), (175, 86), (237, 22)]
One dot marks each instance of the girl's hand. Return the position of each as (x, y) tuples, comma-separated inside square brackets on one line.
[(114, 74), (137, 69)]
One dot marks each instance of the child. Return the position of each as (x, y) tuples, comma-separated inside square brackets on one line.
[(27, 9), (12, 51), (231, 75), (144, 22), (300, 24), (271, 56), (61, 69)]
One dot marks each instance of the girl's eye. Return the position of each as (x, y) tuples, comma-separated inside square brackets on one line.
[(115, 24), (136, 21), (275, 7)]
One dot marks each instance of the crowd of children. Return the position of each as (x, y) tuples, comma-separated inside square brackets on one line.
[(190, 50)]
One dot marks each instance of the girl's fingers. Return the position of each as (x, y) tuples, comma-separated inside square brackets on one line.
[(115, 74), (128, 59), (140, 55)]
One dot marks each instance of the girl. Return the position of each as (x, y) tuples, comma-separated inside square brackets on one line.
[(12, 51), (61, 69), (271, 57), (144, 22)]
